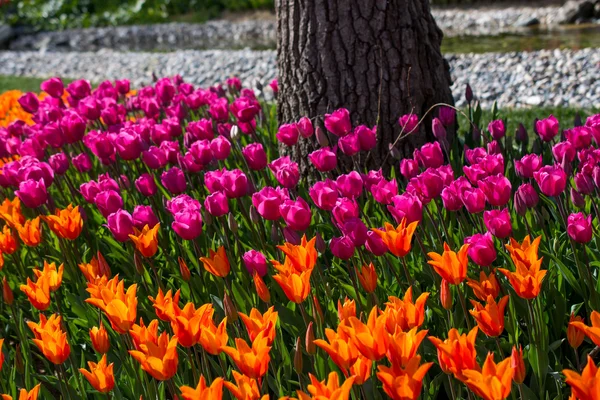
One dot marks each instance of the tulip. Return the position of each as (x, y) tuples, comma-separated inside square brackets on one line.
[(450, 265), (527, 165), (500, 374), (409, 168), (367, 277), (255, 262), (245, 109), (447, 115), (261, 288), (234, 183), (255, 156), (144, 215), (490, 318), (575, 336), (579, 227), (525, 281), (82, 162), (497, 129), (203, 391), (323, 159), (32, 193), (367, 138), (52, 274), (498, 223), (288, 134), (446, 295), (296, 214), (305, 127), (50, 339), (29, 102), (583, 386), (349, 144), (286, 171), (187, 224), (268, 200), (217, 262), (408, 123), (146, 240), (174, 181), (584, 183), (428, 185), (38, 293), (439, 132), (457, 354), (158, 359), (145, 185), (375, 244), (324, 194), (8, 241), (350, 185), (398, 240), (526, 196), (342, 351), (100, 375), (216, 204), (451, 198), (99, 338), (342, 247), (120, 223), (384, 191), (30, 232), (338, 122), (108, 202), (7, 293), (251, 361), (53, 86), (120, 307), (580, 137), (481, 249), (429, 155), (576, 198), (406, 206), (497, 189), (547, 128)]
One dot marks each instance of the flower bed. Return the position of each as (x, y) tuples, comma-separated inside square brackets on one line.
[(155, 244)]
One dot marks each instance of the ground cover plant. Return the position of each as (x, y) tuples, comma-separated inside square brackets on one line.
[(155, 244)]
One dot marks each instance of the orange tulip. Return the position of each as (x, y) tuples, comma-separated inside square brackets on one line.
[(213, 338), (189, 321), (159, 358), (518, 365), (97, 268), (403, 346), (256, 323), (53, 274), (183, 269), (526, 252), (146, 240), (450, 265), (245, 388), (1, 354), (486, 286), (405, 314), (295, 286), (251, 361), (26, 395), (142, 334), (51, 340), (10, 211), (217, 263), (493, 382), (490, 318), (7, 292), (346, 309), (100, 375), (302, 257), (367, 277), (341, 349), (361, 370), (203, 392), (398, 240), (584, 386), (329, 389), (404, 383), (119, 306), (165, 304), (575, 336), (30, 232), (457, 353), (261, 288), (593, 331), (8, 241), (526, 281), (445, 295), (371, 339), (38, 292), (99, 338), (66, 223)]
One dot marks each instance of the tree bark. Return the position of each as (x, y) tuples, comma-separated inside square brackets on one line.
[(380, 59)]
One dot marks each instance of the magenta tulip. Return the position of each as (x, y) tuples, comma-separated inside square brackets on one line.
[(481, 249), (498, 223)]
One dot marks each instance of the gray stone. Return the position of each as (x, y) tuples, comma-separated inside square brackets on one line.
[(527, 21), (6, 33), (575, 10)]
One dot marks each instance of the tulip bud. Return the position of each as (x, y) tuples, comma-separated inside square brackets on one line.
[(521, 135), (7, 292), (518, 365), (183, 269), (139, 264), (318, 311), (321, 137), (574, 335), (577, 199), (298, 357), (291, 236), (476, 135), (394, 152), (469, 93), (320, 244), (537, 146), (439, 132), (103, 265), (99, 338), (19, 360), (309, 341), (230, 310), (274, 234), (254, 216), (446, 295), (232, 224), (234, 133), (577, 121), (261, 288)]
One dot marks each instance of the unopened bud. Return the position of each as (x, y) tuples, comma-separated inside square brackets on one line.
[(254, 216), (184, 270), (309, 341), (261, 288), (103, 265), (275, 234), (19, 359), (259, 85), (207, 219), (230, 310), (394, 152), (321, 137), (317, 311), (298, 364), (291, 236), (577, 121), (521, 135), (7, 293), (445, 295), (577, 199), (139, 264), (537, 146), (476, 135), (320, 244), (439, 132), (469, 93), (232, 224), (234, 133)]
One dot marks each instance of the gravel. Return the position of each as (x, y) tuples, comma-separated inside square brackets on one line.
[(542, 78)]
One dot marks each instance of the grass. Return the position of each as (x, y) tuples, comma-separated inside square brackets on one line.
[(24, 84)]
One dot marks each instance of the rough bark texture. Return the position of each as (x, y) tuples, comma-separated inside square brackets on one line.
[(374, 57)]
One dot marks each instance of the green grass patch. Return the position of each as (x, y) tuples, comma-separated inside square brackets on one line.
[(24, 84)]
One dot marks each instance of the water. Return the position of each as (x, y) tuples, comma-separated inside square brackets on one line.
[(564, 37)]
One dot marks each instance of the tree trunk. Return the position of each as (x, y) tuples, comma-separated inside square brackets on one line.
[(380, 59)]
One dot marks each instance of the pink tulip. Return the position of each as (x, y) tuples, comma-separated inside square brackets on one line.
[(481, 249), (451, 195), (580, 137), (384, 191), (476, 155), (447, 115), (342, 247), (220, 147), (564, 151), (165, 90), (429, 155), (338, 122), (216, 204), (291, 236), (182, 203), (123, 86), (29, 102), (584, 183), (373, 177), (82, 162), (274, 85), (375, 244), (174, 181), (154, 158), (89, 191), (409, 168), (579, 227), (128, 144), (288, 134), (234, 183), (201, 130), (255, 156), (547, 128), (286, 171), (525, 197), (255, 262), (344, 210), (497, 129), (408, 123), (245, 109), (497, 189), (350, 185), (527, 165), (144, 215), (267, 202), (32, 193), (120, 224), (305, 127), (296, 214), (234, 83), (439, 132), (73, 127), (202, 151), (145, 185), (187, 224), (356, 230), (367, 138), (219, 109), (551, 180), (323, 159), (406, 206), (498, 223), (79, 89), (430, 183), (324, 194), (53, 86), (349, 144), (59, 163), (576, 198), (108, 202), (473, 199)]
